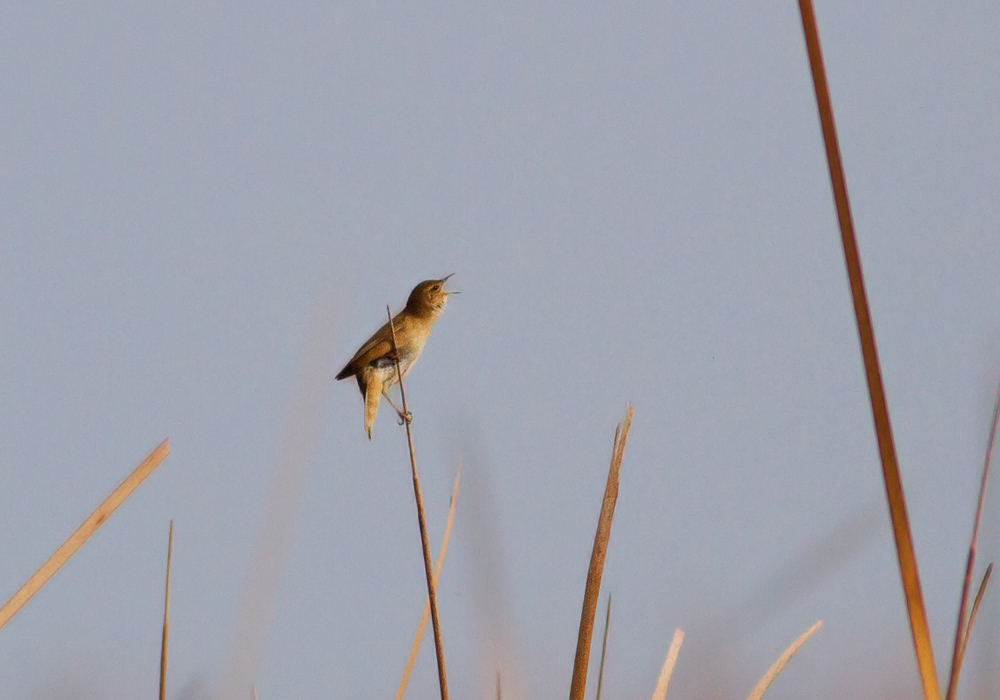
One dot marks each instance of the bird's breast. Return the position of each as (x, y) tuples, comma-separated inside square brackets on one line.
[(385, 367)]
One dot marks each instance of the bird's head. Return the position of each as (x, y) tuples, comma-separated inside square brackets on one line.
[(429, 297)]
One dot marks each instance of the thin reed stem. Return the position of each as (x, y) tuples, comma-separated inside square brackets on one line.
[(89, 526), (961, 627), (412, 658), (166, 616), (425, 543), (876, 391), (975, 607), (604, 649)]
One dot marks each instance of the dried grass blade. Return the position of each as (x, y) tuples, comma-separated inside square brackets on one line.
[(663, 682), (975, 610), (166, 616), (592, 591), (883, 429), (960, 627), (604, 649), (764, 683), (976, 603), (83, 533), (412, 658)]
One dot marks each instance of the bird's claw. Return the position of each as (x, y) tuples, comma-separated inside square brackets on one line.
[(404, 418)]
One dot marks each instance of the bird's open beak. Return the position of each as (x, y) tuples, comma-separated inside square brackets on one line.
[(445, 279)]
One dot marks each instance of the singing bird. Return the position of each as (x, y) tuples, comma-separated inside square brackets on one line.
[(374, 365)]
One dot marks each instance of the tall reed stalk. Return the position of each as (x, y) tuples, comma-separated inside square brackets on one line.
[(425, 543)]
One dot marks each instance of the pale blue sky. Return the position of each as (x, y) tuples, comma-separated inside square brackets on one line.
[(634, 201)]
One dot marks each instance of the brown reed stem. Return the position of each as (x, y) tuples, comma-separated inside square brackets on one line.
[(975, 607), (876, 391), (89, 526), (166, 616), (958, 649), (412, 658), (425, 543), (592, 591)]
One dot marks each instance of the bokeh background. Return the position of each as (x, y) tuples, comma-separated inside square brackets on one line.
[(205, 207)]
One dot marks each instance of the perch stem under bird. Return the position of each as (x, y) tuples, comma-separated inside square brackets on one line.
[(374, 364)]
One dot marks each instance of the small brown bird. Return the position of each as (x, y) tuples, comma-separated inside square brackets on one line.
[(374, 365)]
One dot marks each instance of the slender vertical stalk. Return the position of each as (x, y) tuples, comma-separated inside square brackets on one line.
[(578, 684), (412, 658), (425, 543), (604, 649), (961, 627), (166, 616), (876, 391), (975, 608)]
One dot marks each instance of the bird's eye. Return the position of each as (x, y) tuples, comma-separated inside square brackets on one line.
[(436, 287)]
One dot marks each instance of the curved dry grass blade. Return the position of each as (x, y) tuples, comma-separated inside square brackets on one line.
[(976, 603), (876, 391), (166, 616), (412, 658), (961, 632), (593, 589), (83, 533), (975, 611), (663, 682), (764, 683), (422, 523), (604, 649), (253, 692)]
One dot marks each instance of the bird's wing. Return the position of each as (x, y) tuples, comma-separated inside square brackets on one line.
[(378, 345)]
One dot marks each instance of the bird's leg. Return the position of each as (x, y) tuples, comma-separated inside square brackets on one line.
[(403, 417)]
